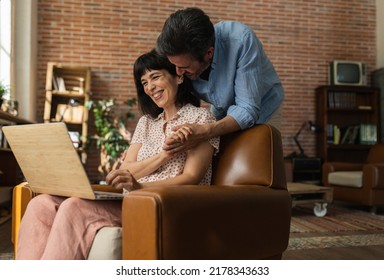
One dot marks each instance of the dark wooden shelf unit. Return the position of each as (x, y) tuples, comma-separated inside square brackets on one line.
[(10, 172), (353, 111)]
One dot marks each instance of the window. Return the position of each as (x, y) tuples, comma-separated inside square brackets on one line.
[(5, 43)]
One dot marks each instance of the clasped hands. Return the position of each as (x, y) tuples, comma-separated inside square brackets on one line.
[(184, 137), (180, 140)]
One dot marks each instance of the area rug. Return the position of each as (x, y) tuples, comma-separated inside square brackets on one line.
[(337, 219), (6, 256), (341, 227), (321, 242)]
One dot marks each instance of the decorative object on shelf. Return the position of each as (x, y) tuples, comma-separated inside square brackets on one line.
[(309, 126), (6, 104), (10, 106), (3, 91), (113, 138), (67, 113)]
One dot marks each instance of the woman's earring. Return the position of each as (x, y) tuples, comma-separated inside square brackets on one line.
[(180, 80)]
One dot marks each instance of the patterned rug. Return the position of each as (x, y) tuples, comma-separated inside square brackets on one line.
[(6, 256), (341, 227), (321, 242), (337, 219)]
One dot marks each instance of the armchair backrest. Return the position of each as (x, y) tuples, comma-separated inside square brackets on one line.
[(376, 154), (251, 157)]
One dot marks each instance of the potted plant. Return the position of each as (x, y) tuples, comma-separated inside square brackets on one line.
[(3, 91), (112, 136)]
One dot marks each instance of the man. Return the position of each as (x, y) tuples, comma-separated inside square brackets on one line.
[(228, 68)]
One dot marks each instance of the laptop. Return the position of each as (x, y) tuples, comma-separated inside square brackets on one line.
[(50, 162)]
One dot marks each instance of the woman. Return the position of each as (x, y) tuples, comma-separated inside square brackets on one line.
[(64, 228)]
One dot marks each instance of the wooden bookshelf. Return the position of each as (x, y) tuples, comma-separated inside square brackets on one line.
[(350, 121), (68, 89)]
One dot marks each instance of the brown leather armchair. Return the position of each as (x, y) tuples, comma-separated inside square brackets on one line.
[(360, 183), (245, 214)]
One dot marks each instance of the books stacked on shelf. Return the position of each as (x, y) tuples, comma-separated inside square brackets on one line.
[(344, 100), (68, 84), (365, 134), (368, 134)]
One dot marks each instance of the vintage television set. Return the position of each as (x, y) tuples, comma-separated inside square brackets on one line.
[(351, 73)]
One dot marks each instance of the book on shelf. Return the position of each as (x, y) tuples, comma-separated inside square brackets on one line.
[(336, 135), (64, 83), (61, 84), (368, 134), (341, 100), (350, 134), (54, 82), (342, 135), (330, 133), (346, 134)]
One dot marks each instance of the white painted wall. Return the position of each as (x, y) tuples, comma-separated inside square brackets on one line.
[(24, 70)]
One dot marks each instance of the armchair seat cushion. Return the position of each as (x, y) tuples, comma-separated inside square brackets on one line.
[(352, 179), (106, 245)]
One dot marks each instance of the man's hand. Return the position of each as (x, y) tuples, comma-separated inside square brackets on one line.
[(122, 179), (185, 137)]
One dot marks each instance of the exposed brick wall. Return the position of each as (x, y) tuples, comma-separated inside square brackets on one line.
[(300, 37)]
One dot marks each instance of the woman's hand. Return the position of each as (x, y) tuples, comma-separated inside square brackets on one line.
[(180, 134), (185, 137), (122, 179)]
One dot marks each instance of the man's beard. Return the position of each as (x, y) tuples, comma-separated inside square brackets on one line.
[(194, 76)]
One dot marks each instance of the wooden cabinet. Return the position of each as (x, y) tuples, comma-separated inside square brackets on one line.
[(350, 122), (67, 91), (10, 173)]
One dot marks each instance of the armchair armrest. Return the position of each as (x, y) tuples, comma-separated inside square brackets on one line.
[(22, 194), (329, 167), (373, 175), (206, 222)]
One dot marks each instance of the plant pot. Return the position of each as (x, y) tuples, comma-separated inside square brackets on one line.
[(10, 106)]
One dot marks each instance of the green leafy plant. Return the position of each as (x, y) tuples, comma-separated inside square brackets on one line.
[(3, 90), (113, 138)]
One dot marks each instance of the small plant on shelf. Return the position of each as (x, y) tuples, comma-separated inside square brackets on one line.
[(4, 90), (112, 136)]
